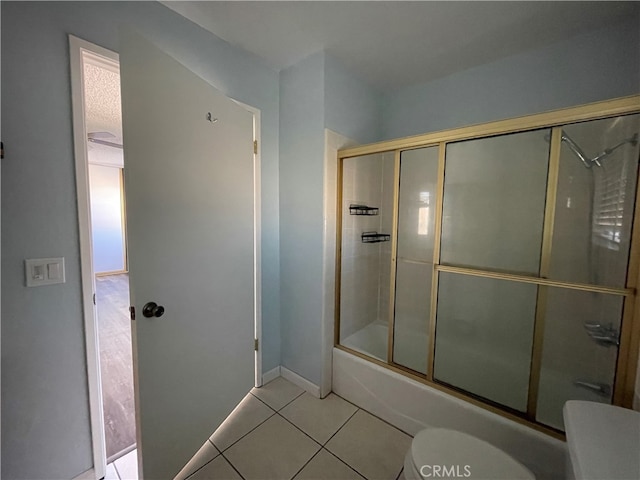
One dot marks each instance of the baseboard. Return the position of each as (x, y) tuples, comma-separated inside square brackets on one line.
[(270, 375), (302, 382)]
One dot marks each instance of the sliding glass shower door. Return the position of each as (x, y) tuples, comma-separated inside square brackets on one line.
[(594, 210), (414, 257), (492, 221), (365, 267), (497, 264)]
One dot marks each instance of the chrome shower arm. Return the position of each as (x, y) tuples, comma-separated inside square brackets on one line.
[(577, 151)]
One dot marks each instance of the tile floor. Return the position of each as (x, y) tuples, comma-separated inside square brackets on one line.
[(280, 432)]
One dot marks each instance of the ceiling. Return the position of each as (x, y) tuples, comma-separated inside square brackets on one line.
[(103, 112), (396, 44)]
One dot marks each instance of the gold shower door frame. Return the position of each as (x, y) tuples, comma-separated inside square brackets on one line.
[(627, 360)]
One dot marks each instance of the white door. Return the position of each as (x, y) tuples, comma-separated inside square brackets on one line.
[(189, 188)]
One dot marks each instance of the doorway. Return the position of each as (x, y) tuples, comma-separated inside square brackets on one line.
[(105, 159), (86, 138)]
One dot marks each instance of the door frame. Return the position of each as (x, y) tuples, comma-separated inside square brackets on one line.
[(77, 48)]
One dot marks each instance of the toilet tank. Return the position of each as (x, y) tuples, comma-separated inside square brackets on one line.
[(603, 441)]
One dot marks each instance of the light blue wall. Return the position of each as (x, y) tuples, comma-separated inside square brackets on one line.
[(596, 66), (45, 413), (301, 209), (352, 107), (315, 93)]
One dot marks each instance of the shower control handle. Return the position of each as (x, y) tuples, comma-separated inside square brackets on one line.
[(602, 335), (599, 388), (606, 340), (152, 309)]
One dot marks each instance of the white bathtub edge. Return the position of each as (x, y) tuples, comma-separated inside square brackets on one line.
[(412, 406)]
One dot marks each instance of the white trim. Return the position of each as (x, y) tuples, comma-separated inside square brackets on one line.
[(270, 375), (77, 49), (257, 241), (302, 382), (332, 143)]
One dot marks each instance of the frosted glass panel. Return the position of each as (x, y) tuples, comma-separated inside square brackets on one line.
[(106, 219), (594, 207), (494, 199), (484, 336), (416, 223), (367, 207), (580, 351)]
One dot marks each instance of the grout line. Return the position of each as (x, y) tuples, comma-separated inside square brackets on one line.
[(257, 397), (116, 469), (254, 428), (352, 468), (342, 398), (292, 400), (200, 468), (400, 474), (306, 463), (387, 423), (232, 466), (284, 406), (297, 427), (342, 426)]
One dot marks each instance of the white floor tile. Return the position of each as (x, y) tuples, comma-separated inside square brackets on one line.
[(325, 466), (250, 413), (111, 473), (277, 393), (204, 455), (372, 447), (127, 466), (275, 450), (320, 419), (218, 469)]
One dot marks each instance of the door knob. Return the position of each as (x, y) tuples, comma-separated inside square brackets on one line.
[(152, 309)]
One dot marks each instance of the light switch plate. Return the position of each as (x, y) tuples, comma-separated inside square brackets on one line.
[(44, 271)]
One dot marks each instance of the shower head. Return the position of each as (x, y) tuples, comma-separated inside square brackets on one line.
[(589, 162)]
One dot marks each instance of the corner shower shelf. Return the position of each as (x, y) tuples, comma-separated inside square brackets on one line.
[(375, 237), (362, 210)]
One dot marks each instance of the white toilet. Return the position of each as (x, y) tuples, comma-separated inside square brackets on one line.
[(441, 453)]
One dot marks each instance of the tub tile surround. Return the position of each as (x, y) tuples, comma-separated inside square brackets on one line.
[(301, 437), (365, 269)]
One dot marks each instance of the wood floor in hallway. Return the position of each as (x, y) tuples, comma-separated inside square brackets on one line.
[(114, 334)]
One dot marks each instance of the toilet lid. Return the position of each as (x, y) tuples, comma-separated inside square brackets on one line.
[(443, 453)]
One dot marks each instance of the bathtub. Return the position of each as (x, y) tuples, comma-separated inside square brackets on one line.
[(411, 406)]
